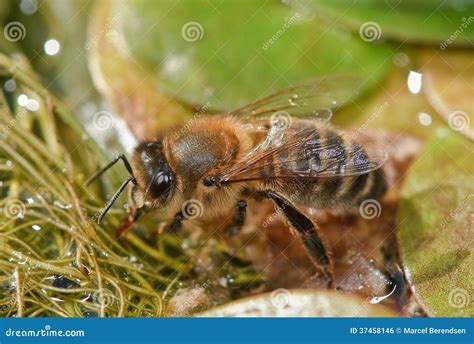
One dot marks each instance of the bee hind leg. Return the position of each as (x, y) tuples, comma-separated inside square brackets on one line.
[(306, 229), (238, 220)]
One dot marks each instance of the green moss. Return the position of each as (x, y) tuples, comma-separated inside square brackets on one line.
[(54, 259)]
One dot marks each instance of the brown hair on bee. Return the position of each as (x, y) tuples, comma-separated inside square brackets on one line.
[(221, 161)]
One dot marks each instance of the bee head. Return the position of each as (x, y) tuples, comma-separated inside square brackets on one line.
[(156, 181)]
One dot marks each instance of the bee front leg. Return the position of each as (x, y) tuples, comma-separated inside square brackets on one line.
[(315, 244), (238, 220), (175, 224)]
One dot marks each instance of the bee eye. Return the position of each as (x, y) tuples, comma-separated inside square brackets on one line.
[(161, 183), (159, 178)]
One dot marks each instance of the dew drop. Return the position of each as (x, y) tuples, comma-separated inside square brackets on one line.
[(414, 82), (52, 47), (32, 105), (424, 119), (22, 100), (378, 299), (222, 282), (10, 85), (62, 206)]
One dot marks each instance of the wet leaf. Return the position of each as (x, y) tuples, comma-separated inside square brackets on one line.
[(299, 303), (235, 56), (448, 88), (436, 220), (447, 23), (392, 107), (131, 93)]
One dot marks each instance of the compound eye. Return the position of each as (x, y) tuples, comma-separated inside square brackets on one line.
[(160, 184)]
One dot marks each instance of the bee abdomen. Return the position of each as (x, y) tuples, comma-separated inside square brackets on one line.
[(378, 186), (336, 161), (363, 186)]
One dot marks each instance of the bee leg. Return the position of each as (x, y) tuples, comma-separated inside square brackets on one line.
[(306, 229), (175, 224), (238, 220)]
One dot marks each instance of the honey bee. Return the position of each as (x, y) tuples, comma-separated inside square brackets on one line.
[(280, 147)]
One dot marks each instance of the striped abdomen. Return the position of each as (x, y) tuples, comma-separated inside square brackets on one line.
[(324, 151)]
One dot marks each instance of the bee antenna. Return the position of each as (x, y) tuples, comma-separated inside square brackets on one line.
[(122, 157), (112, 200)]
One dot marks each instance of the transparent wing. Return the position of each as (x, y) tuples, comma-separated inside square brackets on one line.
[(312, 99), (303, 157)]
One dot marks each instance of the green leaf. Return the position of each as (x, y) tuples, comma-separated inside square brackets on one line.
[(230, 53), (299, 303), (436, 226), (443, 23)]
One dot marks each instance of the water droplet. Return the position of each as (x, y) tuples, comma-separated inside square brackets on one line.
[(62, 206), (52, 47), (401, 59), (424, 119), (414, 82), (28, 7), (378, 299), (10, 85), (32, 105), (86, 297), (22, 100), (222, 282)]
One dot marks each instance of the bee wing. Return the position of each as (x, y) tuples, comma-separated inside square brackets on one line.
[(304, 157), (311, 99)]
